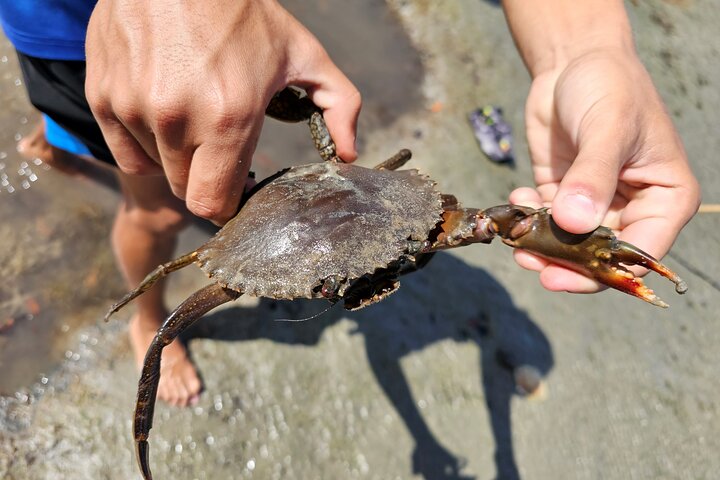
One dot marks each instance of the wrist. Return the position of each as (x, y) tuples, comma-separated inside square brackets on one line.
[(561, 54), (550, 34)]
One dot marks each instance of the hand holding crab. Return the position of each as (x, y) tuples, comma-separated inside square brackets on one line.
[(603, 147)]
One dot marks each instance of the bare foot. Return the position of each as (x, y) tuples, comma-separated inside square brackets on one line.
[(179, 382), (35, 145)]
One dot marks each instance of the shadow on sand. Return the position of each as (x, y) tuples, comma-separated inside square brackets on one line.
[(458, 302)]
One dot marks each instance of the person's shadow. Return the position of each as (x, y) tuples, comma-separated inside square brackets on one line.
[(456, 301)]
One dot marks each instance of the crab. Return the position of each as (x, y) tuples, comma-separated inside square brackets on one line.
[(346, 233)]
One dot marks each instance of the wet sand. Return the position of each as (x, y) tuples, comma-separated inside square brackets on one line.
[(414, 387)]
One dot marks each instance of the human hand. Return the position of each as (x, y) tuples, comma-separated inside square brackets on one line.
[(604, 151), (181, 88)]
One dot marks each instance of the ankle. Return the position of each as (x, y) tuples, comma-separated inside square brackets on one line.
[(148, 319)]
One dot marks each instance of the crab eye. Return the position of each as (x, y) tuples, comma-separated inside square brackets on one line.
[(330, 287)]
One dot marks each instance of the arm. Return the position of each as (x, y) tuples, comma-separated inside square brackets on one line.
[(603, 148), (180, 88), (550, 33)]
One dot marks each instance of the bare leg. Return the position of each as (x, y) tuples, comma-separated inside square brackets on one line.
[(144, 236), (160, 272)]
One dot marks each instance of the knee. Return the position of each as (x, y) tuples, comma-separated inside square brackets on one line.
[(159, 221)]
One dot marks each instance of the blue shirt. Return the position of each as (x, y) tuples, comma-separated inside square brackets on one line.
[(50, 29)]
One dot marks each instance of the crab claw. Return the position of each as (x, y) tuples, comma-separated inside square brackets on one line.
[(599, 254), (143, 459)]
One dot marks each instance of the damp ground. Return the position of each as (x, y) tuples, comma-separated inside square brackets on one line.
[(416, 386)]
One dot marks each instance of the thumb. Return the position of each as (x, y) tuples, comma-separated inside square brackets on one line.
[(588, 187), (336, 95), (340, 102)]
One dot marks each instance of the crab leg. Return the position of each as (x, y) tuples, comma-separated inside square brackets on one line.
[(599, 254), (288, 106), (185, 315), (396, 161), (460, 226), (150, 280)]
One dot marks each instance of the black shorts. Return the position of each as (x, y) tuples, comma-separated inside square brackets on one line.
[(57, 88)]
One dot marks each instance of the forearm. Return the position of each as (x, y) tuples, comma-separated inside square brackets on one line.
[(551, 33)]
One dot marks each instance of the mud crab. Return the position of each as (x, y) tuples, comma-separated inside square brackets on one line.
[(344, 232)]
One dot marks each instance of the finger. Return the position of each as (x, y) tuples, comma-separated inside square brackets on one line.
[(178, 118), (127, 109), (555, 278), (528, 261), (335, 94), (135, 124), (193, 385), (217, 176), (127, 151), (653, 235), (183, 395), (588, 187), (526, 197), (175, 151), (213, 187), (176, 164), (558, 279), (653, 220), (173, 392), (340, 110)]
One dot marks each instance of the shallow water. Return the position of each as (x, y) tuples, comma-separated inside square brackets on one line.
[(49, 228), (56, 263)]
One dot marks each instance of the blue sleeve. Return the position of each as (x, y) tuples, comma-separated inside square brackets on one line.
[(50, 29)]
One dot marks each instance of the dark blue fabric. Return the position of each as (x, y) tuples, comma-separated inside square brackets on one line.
[(50, 29)]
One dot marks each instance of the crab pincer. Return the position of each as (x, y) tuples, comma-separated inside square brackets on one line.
[(599, 254)]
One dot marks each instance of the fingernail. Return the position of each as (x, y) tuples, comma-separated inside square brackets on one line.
[(581, 207)]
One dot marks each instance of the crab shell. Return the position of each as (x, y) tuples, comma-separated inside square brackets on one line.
[(319, 221)]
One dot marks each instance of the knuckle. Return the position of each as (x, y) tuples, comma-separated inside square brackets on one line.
[(694, 195), (133, 161), (96, 83), (178, 189), (127, 110), (194, 385), (230, 115), (137, 168), (167, 112), (354, 97), (97, 101)]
